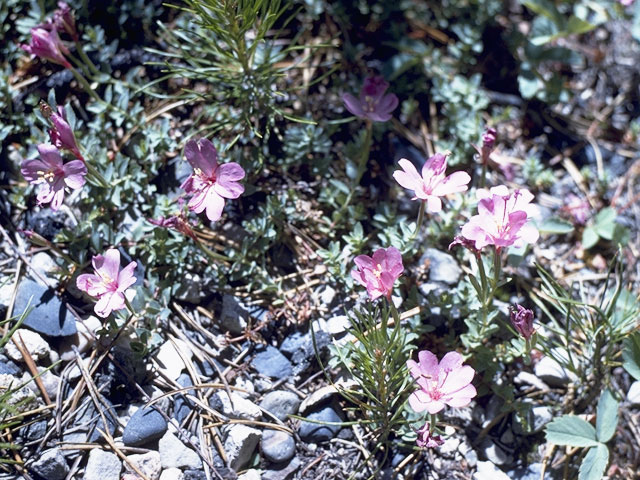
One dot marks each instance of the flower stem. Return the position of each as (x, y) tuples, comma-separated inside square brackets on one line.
[(87, 61), (210, 253), (419, 222)]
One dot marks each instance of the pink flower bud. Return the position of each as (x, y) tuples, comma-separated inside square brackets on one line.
[(522, 321), (46, 45)]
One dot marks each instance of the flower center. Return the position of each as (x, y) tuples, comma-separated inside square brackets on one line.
[(370, 103), (203, 177), (48, 176), (378, 271)]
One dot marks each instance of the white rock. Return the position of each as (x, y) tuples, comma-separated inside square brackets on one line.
[(530, 379), (319, 396), (175, 454), (240, 444), (170, 359), (633, 396), (241, 408), (246, 385), (552, 373), (338, 324), (37, 346), (172, 474), (6, 292), (22, 399), (148, 463), (252, 474), (46, 267), (83, 340), (488, 471), (50, 382), (102, 466)]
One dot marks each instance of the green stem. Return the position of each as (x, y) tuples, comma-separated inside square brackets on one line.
[(85, 84), (394, 314), (419, 222), (87, 61), (483, 174), (210, 253)]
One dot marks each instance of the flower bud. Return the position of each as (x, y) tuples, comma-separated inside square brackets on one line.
[(522, 321)]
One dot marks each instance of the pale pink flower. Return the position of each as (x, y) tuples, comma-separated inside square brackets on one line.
[(210, 183), (109, 284), (379, 272), (372, 104), (578, 208), (46, 44), (503, 219), (53, 175), (522, 321), (61, 134), (426, 439), (433, 183), (446, 383)]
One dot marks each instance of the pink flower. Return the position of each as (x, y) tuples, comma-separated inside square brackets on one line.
[(46, 44), (53, 175), (426, 439), (379, 272), (64, 20), (578, 208), (522, 321), (502, 220), (373, 104), (109, 284), (61, 134), (433, 183), (446, 383), (210, 183), (489, 138)]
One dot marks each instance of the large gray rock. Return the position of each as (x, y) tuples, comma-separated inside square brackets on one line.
[(281, 403), (240, 443), (235, 406), (102, 466), (552, 373), (49, 316), (233, 316), (175, 454), (320, 432), (51, 465), (277, 446), (442, 266), (270, 362), (144, 426)]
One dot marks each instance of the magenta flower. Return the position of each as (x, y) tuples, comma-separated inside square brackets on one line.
[(210, 183), (502, 220), (373, 104), (433, 183), (522, 321), (46, 44), (489, 138), (379, 272), (447, 383), (64, 20), (52, 175), (109, 284), (61, 134), (426, 439), (578, 208)]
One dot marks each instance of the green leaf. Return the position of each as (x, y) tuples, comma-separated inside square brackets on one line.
[(589, 237), (577, 25), (607, 417), (631, 355), (555, 226), (605, 223), (594, 463), (571, 430)]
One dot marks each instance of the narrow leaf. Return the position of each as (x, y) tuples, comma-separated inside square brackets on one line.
[(631, 355), (571, 430), (594, 463)]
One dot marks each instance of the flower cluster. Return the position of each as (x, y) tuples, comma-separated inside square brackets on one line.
[(372, 104), (503, 219), (379, 272), (433, 183), (108, 284), (210, 182)]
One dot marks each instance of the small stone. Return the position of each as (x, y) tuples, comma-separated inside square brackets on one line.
[(175, 454), (46, 268), (468, 453), (442, 266), (50, 382), (87, 416), (320, 396), (277, 446), (270, 362), (327, 296), (51, 465), (281, 403), (338, 324), (37, 346), (102, 466), (48, 316), (537, 418), (172, 474), (148, 463), (494, 453), (84, 339), (34, 431), (144, 426), (233, 316), (284, 473), (182, 407), (531, 472), (552, 373), (299, 348), (7, 367), (252, 474), (526, 378), (633, 395), (235, 406), (488, 471), (170, 355), (449, 447), (240, 443), (318, 432), (21, 398), (197, 475)]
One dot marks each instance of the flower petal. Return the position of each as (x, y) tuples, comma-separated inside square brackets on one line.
[(227, 176), (353, 105)]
